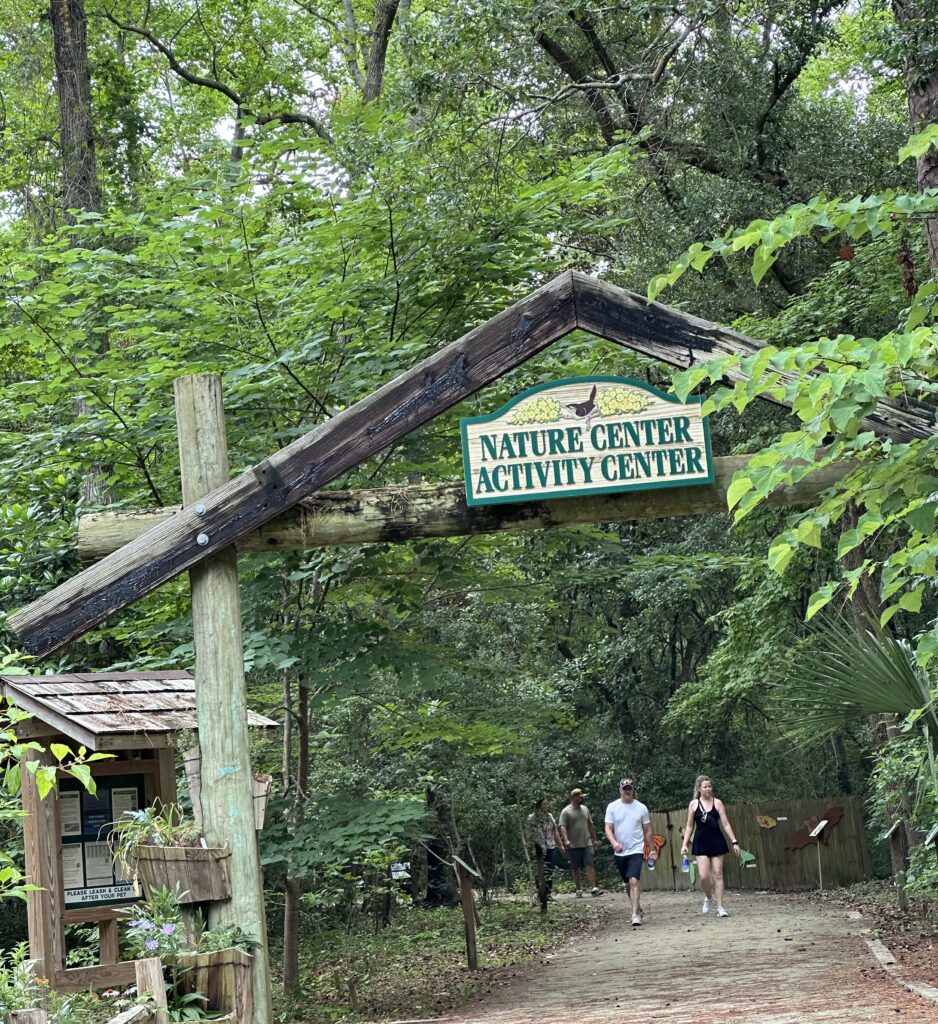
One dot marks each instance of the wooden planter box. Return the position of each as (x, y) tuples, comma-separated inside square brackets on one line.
[(198, 874), (225, 979)]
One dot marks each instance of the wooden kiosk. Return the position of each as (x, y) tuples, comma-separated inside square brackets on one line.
[(132, 715)]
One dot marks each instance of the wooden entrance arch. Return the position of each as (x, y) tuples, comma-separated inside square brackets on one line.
[(568, 302), (219, 512)]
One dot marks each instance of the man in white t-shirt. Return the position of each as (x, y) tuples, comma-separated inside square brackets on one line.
[(628, 828)]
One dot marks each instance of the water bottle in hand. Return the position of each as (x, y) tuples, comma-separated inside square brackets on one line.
[(651, 863), (685, 865)]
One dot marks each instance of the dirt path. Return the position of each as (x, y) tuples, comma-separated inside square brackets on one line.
[(776, 960)]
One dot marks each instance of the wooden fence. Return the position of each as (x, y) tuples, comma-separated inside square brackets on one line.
[(844, 855)]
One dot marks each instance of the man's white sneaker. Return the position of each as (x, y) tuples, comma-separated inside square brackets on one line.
[(579, 892), (705, 909), (636, 919), (596, 891), (722, 913)]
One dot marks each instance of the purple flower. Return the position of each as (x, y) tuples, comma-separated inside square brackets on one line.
[(152, 944), (140, 922), (144, 925), (168, 929)]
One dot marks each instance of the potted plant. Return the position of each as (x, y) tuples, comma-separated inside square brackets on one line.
[(158, 846), (207, 973)]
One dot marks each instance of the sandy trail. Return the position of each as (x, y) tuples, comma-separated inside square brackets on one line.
[(776, 960)]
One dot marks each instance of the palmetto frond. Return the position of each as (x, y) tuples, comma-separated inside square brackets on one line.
[(846, 678), (842, 677)]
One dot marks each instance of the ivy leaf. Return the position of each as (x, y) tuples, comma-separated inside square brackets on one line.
[(780, 554), (738, 487), (923, 518), (911, 600), (821, 597)]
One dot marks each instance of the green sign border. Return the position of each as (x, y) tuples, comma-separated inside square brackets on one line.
[(472, 500)]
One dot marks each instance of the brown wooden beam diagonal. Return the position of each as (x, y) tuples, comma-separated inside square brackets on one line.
[(392, 514), (279, 482), (678, 339)]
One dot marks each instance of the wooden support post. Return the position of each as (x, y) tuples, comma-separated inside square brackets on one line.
[(107, 932), (897, 853), (227, 797), (27, 1017), (150, 981), (469, 916), (45, 906)]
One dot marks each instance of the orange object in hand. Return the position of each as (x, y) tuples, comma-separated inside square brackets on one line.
[(658, 842)]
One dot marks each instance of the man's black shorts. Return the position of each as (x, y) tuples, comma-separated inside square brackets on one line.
[(629, 866), (581, 857)]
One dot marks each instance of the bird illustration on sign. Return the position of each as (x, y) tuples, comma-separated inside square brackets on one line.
[(580, 410)]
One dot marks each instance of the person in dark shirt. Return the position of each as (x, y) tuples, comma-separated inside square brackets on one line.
[(707, 822)]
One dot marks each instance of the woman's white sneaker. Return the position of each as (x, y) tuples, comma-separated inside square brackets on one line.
[(705, 909), (636, 919), (722, 913)]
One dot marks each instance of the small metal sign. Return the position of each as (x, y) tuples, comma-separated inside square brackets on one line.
[(818, 829), (585, 435)]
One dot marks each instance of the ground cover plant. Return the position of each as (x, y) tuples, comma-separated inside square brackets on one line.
[(417, 965)]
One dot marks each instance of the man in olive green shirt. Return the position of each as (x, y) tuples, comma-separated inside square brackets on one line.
[(579, 838)]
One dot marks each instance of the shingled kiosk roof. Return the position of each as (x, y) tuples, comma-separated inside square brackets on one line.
[(112, 710)]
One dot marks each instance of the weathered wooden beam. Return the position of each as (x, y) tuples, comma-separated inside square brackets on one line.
[(364, 429), (279, 482), (394, 514), (679, 339)]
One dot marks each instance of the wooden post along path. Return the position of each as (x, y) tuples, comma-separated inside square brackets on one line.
[(227, 795), (464, 878), (150, 982), (27, 1017)]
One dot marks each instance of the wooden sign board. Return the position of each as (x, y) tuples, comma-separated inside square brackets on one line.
[(585, 435)]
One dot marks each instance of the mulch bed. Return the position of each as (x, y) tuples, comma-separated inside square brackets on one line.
[(911, 936)]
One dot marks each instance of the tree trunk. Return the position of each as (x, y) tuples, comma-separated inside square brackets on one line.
[(293, 886), (918, 28), (441, 882), (81, 189), (385, 13), (867, 609)]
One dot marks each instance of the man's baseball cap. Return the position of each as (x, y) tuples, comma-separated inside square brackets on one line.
[(576, 792), (626, 782)]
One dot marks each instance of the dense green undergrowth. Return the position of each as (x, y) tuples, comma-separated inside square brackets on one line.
[(416, 967)]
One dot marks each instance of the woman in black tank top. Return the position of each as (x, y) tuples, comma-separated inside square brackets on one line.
[(707, 822)]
